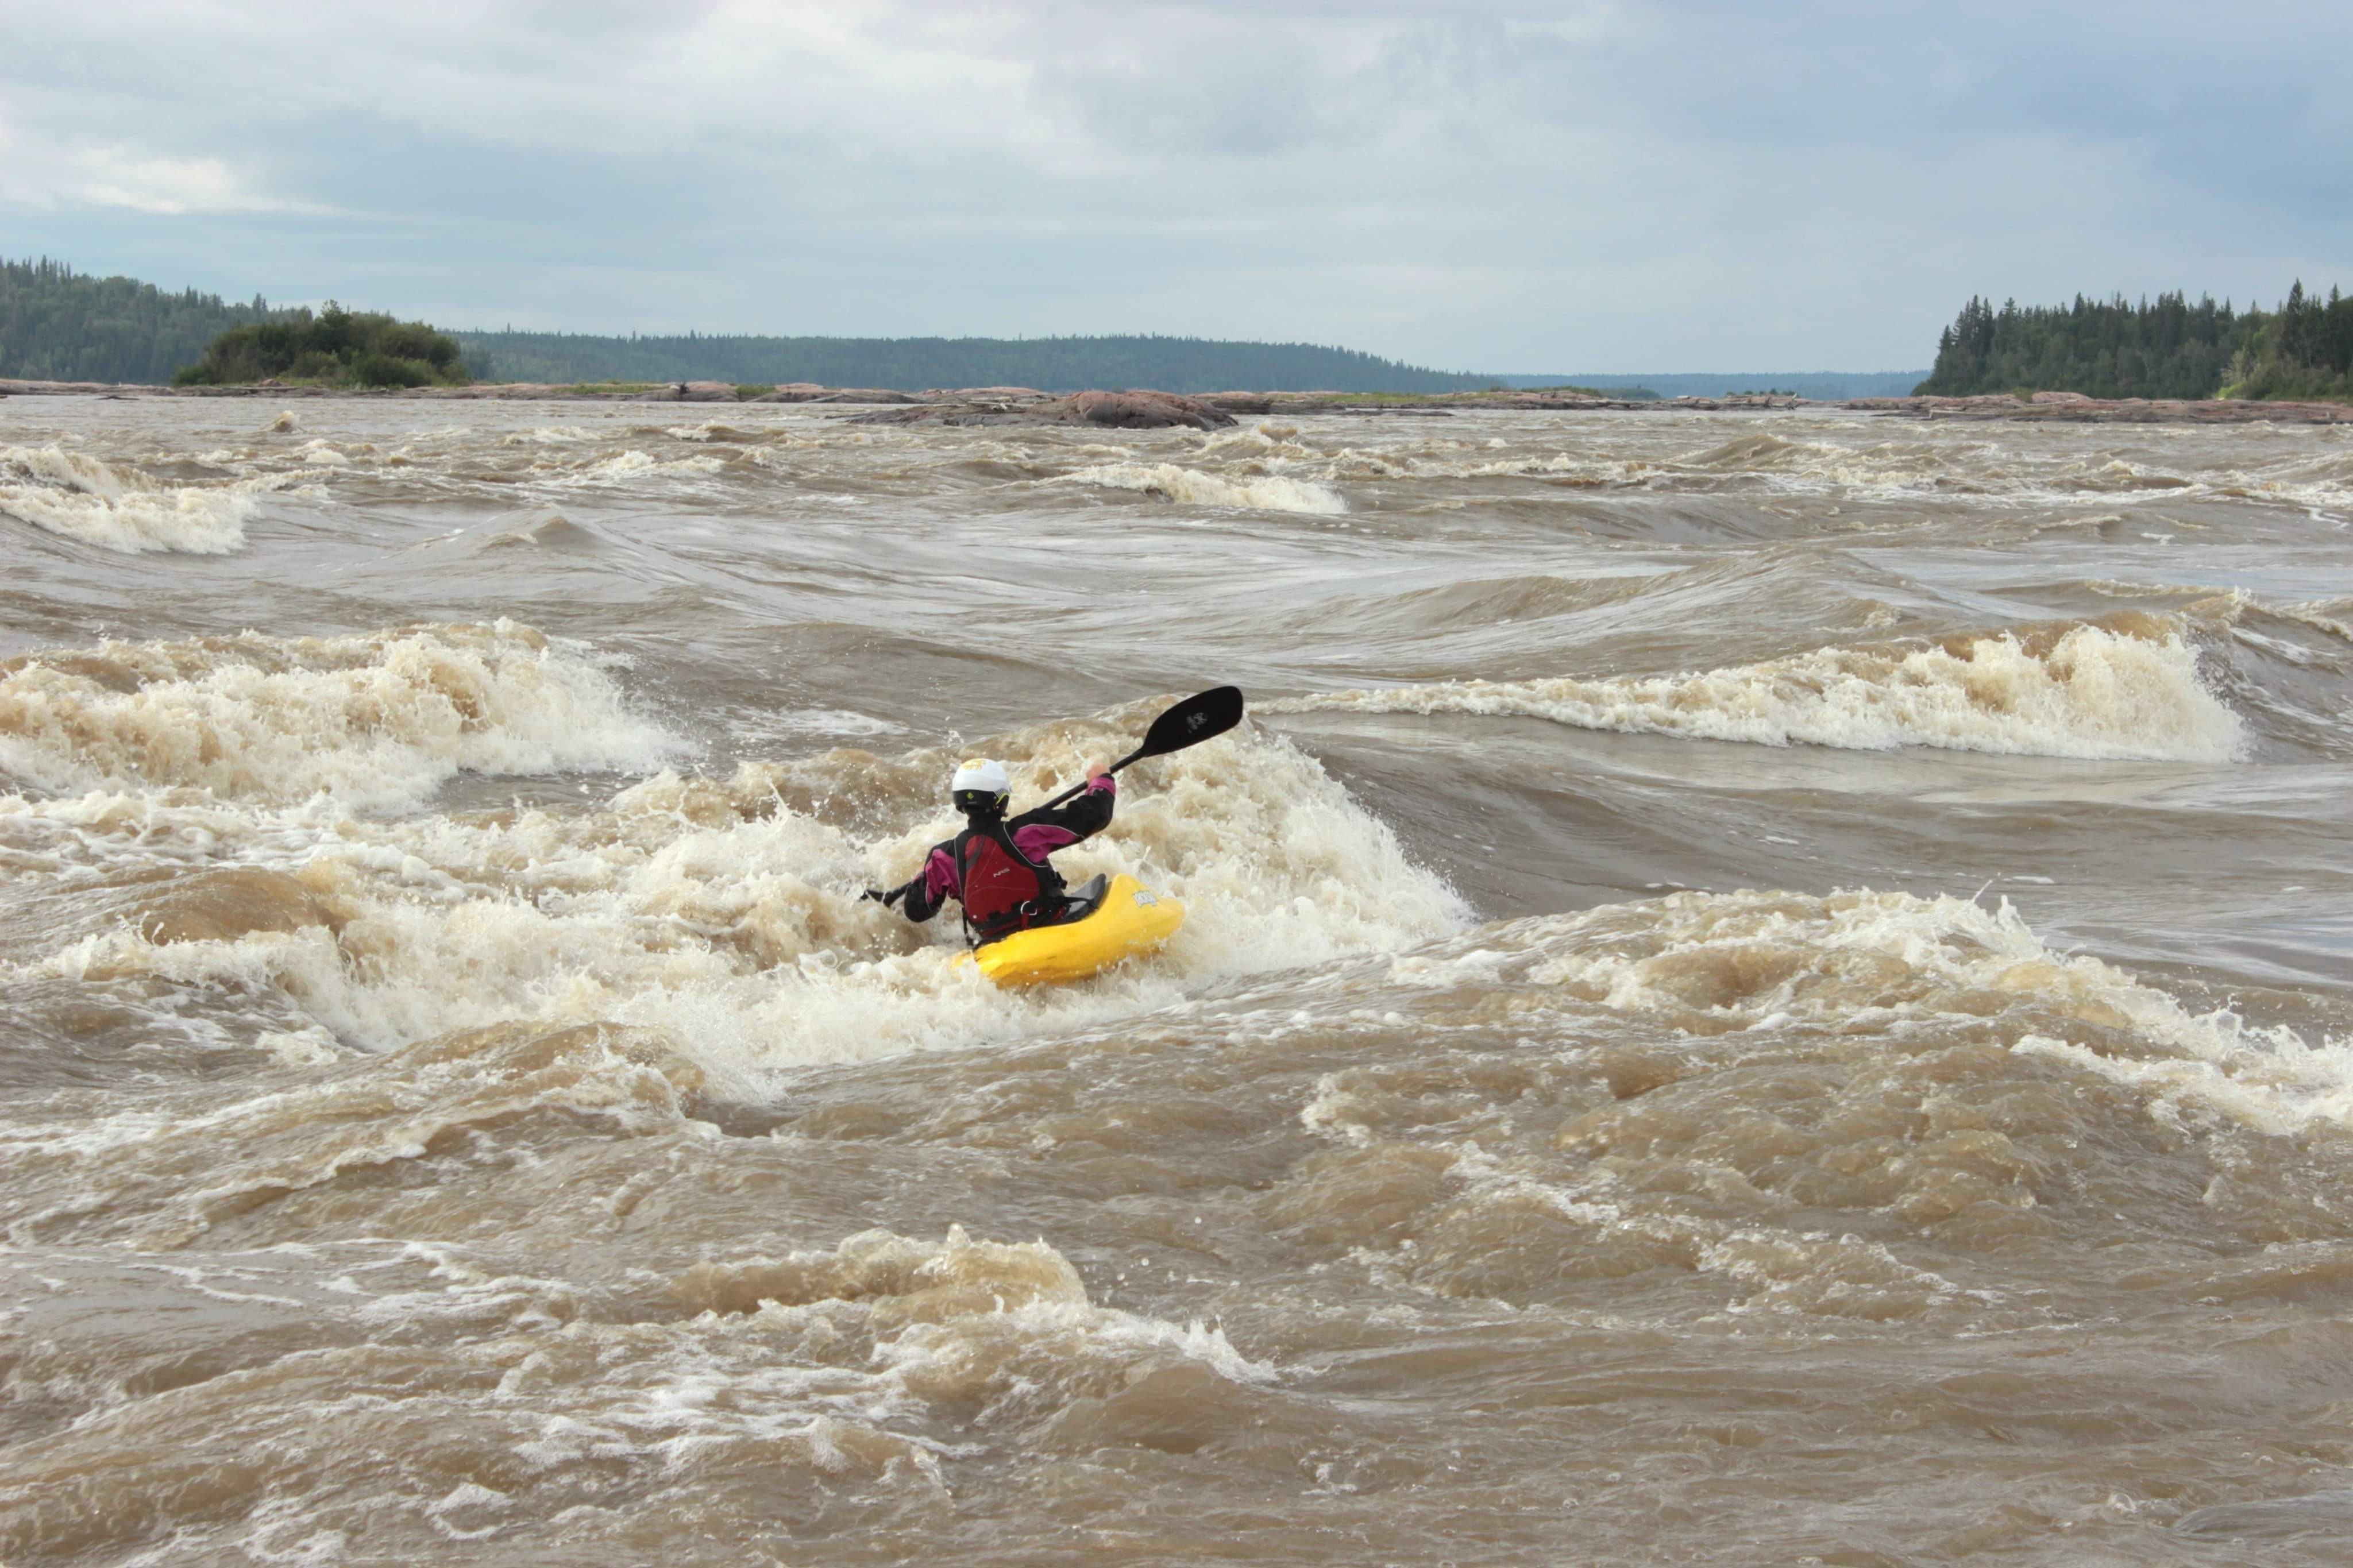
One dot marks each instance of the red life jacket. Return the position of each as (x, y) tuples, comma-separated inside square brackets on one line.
[(1003, 890)]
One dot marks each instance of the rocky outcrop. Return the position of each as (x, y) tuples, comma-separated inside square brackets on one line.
[(1113, 410), (985, 395), (1134, 411), (1368, 402), (688, 391), (809, 392)]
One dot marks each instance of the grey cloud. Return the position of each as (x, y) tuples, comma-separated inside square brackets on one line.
[(1496, 186)]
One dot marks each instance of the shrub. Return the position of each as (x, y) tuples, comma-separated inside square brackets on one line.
[(374, 367), (416, 340), (334, 347)]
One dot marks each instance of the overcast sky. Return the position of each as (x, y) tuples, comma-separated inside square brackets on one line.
[(1501, 187)]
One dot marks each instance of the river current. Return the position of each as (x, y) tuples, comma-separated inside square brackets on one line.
[(1759, 987)]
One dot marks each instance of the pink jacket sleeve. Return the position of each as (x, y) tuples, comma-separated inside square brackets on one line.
[(1040, 839)]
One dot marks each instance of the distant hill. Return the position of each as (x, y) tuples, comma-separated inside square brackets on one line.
[(57, 324), (1822, 384), (912, 364)]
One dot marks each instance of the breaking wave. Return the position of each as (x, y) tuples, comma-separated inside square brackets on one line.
[(1191, 487), (634, 464), (726, 912), (2127, 688), (116, 508), (376, 720), (1715, 963)]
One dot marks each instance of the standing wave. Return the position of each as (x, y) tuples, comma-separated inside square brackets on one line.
[(1260, 492), (725, 913), (1732, 965), (379, 720), (118, 508), (2127, 687)]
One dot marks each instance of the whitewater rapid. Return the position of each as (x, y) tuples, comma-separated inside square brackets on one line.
[(1762, 987)]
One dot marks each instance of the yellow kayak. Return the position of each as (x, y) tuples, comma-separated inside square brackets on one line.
[(1128, 920)]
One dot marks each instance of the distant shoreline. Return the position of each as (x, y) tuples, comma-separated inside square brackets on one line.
[(2045, 408)]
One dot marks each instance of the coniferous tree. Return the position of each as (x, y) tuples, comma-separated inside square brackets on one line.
[(57, 324), (2161, 348)]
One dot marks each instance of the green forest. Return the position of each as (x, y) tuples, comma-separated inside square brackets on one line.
[(57, 324), (334, 347), (2304, 351), (2165, 348), (1050, 364)]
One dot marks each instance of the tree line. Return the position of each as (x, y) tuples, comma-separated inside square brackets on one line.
[(2163, 348), (2305, 351), (57, 324), (62, 325), (1182, 364)]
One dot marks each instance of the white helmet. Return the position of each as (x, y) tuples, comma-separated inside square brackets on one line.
[(981, 782), (983, 775)]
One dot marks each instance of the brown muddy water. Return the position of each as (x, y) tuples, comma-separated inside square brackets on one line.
[(1760, 988)]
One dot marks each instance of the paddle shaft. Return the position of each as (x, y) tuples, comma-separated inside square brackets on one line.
[(1076, 790)]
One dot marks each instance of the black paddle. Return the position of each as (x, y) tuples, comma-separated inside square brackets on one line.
[(1188, 723), (1191, 721)]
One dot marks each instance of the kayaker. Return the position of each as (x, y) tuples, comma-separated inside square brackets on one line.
[(998, 866)]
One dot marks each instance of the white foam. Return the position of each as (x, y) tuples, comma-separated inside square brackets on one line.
[(548, 435), (744, 941), (709, 430), (1764, 961), (1252, 443), (634, 464), (116, 508), (376, 720), (2093, 693), (1191, 487), (805, 721)]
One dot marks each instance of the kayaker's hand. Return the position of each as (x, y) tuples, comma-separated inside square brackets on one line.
[(1102, 783)]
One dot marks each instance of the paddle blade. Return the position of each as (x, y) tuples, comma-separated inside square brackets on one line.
[(1193, 721)]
